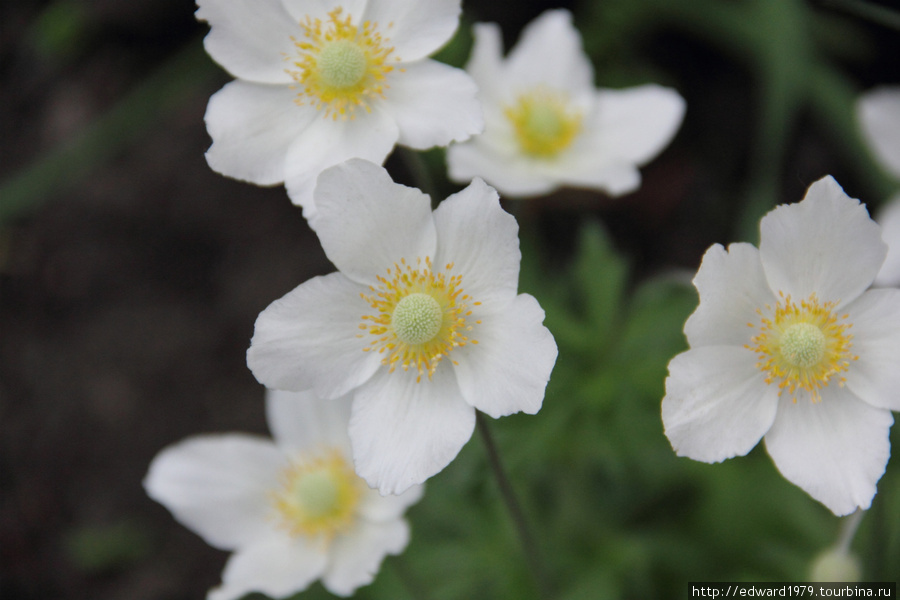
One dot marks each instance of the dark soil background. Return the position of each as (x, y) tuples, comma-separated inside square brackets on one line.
[(128, 293)]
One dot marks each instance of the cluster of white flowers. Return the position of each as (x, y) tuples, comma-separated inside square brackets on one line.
[(375, 371)]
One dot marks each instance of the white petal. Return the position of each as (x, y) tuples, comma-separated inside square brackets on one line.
[(367, 223), (482, 241), (377, 508), (319, 9), (889, 219), (252, 127), (301, 421), (356, 556), (631, 126), (732, 286), (217, 485), (717, 404), (308, 339), (549, 53), (485, 61), (508, 370), (615, 179), (404, 432), (879, 114), (508, 173), (825, 244), (249, 39), (415, 28), (875, 376), (327, 142), (278, 566), (835, 450), (433, 104)]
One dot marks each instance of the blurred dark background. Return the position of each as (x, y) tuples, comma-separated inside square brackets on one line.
[(131, 274)]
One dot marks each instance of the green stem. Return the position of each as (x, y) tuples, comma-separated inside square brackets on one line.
[(848, 531), (529, 546)]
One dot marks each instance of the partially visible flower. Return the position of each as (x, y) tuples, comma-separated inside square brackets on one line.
[(319, 82), (292, 510), (421, 325), (789, 343), (878, 112), (546, 126)]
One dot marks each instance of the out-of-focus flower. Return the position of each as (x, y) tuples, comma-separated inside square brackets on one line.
[(878, 112), (789, 343), (320, 82), (422, 324), (547, 126), (291, 509)]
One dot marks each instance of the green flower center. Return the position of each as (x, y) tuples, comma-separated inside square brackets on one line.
[(544, 122), (417, 319), (342, 64), (318, 493), (803, 345), (319, 496)]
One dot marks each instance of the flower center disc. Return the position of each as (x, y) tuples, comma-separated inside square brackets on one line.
[(543, 123), (802, 346), (342, 64), (319, 496), (340, 67), (417, 318), (420, 316)]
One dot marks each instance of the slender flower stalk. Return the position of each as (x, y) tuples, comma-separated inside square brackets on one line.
[(529, 545)]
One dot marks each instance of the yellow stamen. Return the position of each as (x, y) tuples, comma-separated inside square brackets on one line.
[(544, 122), (802, 346), (341, 66), (319, 496), (420, 316)]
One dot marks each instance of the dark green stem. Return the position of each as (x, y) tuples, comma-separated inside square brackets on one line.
[(515, 509)]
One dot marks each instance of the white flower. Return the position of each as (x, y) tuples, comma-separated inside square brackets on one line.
[(878, 112), (789, 343), (319, 82), (422, 324), (547, 126), (292, 509)]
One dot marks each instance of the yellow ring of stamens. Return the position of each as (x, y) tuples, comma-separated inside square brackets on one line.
[(341, 67), (421, 316), (543, 122), (802, 346), (318, 497)]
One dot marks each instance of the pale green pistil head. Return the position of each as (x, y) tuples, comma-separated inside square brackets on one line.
[(544, 123), (803, 345), (417, 319), (317, 493), (341, 64)]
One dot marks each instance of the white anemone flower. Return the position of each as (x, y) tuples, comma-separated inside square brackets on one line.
[(546, 125), (321, 81), (878, 112), (291, 509), (421, 325), (789, 343)]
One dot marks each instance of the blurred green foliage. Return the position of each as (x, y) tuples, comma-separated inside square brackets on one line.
[(102, 549)]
